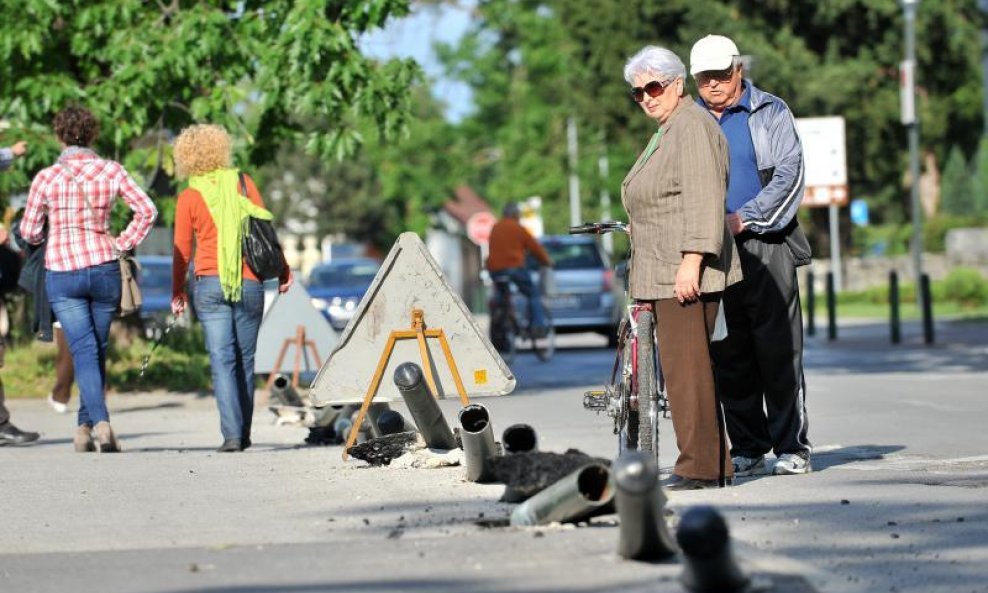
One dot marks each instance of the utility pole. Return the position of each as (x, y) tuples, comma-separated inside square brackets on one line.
[(575, 215), (605, 201), (909, 119)]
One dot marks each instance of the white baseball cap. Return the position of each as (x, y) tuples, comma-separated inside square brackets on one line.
[(713, 52)]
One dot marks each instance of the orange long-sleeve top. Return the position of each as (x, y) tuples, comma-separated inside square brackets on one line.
[(508, 243), (194, 224)]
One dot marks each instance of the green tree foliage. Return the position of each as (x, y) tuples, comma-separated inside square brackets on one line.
[(533, 63), (956, 187), (148, 68), (980, 184)]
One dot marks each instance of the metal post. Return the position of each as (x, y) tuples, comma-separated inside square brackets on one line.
[(927, 300), (478, 442), (831, 308), (519, 438), (894, 322), (911, 122), (423, 407), (641, 507), (709, 564), (575, 215), (810, 303), (834, 212), (605, 203)]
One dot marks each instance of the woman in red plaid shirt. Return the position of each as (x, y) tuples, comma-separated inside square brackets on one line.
[(75, 197)]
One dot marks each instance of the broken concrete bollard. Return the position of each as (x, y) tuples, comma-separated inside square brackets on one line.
[(423, 407), (708, 560), (641, 508), (519, 438), (575, 496), (478, 442)]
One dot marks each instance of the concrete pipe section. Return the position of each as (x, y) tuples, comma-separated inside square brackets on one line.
[(641, 505), (425, 411), (708, 560), (519, 438), (575, 496), (478, 442)]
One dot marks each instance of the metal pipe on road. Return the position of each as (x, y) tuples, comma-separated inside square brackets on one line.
[(572, 497), (374, 412), (390, 422), (284, 393), (519, 438), (478, 442), (709, 565), (641, 505), (425, 411)]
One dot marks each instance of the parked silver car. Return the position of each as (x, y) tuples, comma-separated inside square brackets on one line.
[(584, 296)]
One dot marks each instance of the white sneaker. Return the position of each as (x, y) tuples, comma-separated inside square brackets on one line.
[(791, 464), (749, 466), (58, 406)]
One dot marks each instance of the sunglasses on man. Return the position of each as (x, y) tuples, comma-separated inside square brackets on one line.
[(654, 89)]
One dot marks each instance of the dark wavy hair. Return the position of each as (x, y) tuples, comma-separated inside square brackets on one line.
[(76, 126)]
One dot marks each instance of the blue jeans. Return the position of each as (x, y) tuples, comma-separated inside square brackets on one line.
[(231, 340), (523, 280), (85, 302)]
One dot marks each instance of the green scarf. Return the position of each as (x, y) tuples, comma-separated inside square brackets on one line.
[(230, 209)]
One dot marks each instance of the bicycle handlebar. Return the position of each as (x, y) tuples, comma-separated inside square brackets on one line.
[(599, 228)]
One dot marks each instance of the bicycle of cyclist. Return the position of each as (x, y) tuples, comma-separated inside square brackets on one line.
[(509, 332), (509, 244), (635, 396)]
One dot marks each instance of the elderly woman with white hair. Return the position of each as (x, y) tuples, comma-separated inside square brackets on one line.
[(682, 255)]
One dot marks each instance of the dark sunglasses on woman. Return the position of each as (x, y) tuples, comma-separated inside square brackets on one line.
[(654, 89)]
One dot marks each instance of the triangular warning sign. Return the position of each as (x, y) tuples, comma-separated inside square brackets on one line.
[(410, 279), (281, 321)]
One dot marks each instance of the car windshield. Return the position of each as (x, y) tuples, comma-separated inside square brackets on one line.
[(156, 277), (348, 275), (574, 256)]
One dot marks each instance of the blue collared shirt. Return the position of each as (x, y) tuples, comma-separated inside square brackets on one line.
[(743, 184)]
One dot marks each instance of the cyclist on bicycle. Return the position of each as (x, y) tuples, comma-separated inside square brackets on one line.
[(508, 244)]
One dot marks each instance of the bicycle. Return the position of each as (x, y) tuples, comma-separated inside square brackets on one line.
[(636, 376), (506, 331)]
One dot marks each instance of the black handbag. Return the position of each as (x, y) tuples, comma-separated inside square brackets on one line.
[(260, 246)]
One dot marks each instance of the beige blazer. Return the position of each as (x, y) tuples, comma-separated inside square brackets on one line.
[(675, 202)]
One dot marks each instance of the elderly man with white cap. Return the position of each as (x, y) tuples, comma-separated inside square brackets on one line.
[(759, 367)]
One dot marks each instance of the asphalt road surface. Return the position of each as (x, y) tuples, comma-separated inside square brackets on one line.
[(898, 500)]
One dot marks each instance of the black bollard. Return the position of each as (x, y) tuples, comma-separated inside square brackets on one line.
[(641, 508), (572, 497), (423, 407), (894, 320), (708, 560), (282, 392), (810, 303), (924, 285), (478, 442), (519, 438), (831, 308), (374, 412), (390, 422)]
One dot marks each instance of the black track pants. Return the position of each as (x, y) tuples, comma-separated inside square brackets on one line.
[(759, 366)]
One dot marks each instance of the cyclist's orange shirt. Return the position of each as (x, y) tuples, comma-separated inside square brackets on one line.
[(508, 243)]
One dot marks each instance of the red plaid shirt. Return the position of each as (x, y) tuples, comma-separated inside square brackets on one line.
[(78, 234)]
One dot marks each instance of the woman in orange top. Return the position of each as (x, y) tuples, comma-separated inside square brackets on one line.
[(229, 298)]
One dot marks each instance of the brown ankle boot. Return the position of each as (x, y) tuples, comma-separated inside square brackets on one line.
[(84, 439), (107, 440)]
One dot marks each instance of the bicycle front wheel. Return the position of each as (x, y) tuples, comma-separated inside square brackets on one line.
[(648, 395)]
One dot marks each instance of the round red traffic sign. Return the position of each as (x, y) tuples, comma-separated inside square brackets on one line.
[(479, 227)]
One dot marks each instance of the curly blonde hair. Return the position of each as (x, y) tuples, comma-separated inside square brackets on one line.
[(201, 148)]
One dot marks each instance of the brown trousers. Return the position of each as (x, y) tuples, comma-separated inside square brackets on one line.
[(64, 372), (683, 332)]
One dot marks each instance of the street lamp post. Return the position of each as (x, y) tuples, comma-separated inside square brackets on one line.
[(911, 122)]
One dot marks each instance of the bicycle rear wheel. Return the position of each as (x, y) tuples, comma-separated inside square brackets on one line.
[(648, 395), (545, 346)]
